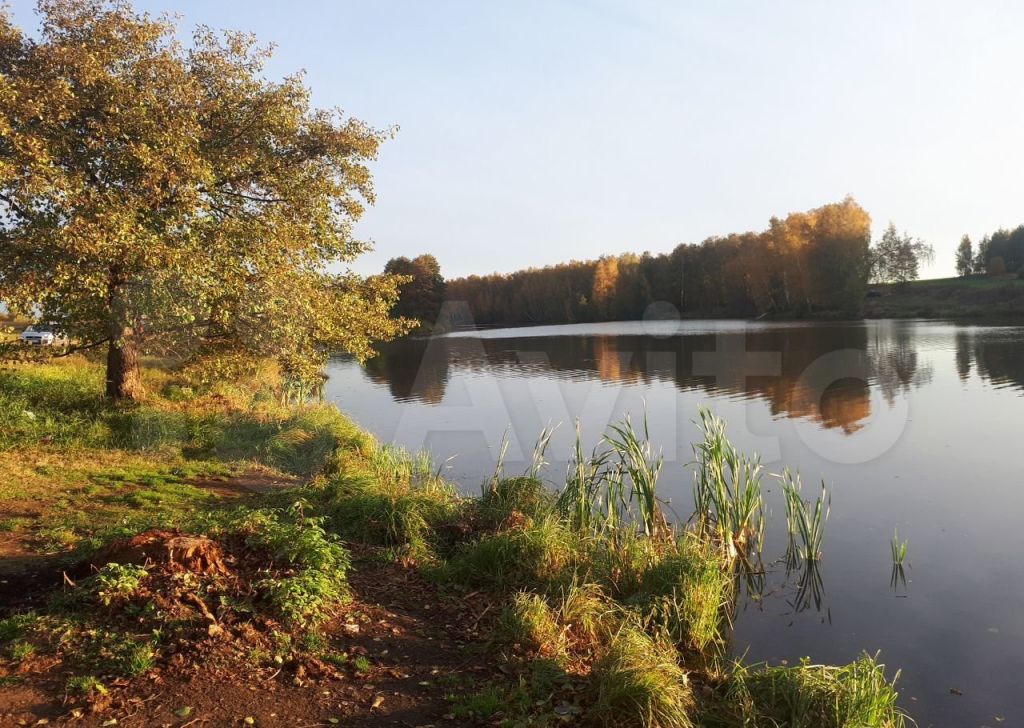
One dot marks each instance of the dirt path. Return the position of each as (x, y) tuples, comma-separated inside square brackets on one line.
[(411, 636)]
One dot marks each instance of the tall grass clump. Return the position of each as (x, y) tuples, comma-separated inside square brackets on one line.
[(529, 622), (531, 554), (574, 619), (393, 499), (688, 593), (639, 683), (727, 491), (618, 561), (523, 495), (856, 695), (537, 461), (898, 578), (805, 522)]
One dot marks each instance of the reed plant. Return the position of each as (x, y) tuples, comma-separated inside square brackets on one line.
[(580, 501), (537, 461), (806, 523), (727, 491), (639, 466), (898, 577), (499, 465), (899, 549)]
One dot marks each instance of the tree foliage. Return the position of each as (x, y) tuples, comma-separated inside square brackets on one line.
[(896, 258), (809, 262), (1007, 246), (162, 199), (423, 291), (965, 257)]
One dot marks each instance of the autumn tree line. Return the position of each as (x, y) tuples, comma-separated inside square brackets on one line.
[(814, 263)]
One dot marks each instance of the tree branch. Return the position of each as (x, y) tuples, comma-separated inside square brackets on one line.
[(244, 196), (75, 349)]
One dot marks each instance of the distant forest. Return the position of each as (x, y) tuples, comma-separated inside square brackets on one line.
[(809, 263)]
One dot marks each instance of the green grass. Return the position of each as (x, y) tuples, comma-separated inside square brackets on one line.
[(62, 405), (392, 499), (970, 297), (19, 650), (96, 471)]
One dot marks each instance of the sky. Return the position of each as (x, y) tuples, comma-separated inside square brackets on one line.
[(534, 132)]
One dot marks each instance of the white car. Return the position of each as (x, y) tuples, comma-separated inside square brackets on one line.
[(40, 335)]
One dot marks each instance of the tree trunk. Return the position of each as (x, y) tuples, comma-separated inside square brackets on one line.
[(124, 379)]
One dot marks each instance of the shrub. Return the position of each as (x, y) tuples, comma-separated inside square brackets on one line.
[(306, 598), (319, 562)]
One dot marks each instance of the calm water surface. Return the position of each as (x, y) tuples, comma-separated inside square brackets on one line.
[(914, 425)]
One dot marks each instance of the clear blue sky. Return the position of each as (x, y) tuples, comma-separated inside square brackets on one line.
[(535, 132)]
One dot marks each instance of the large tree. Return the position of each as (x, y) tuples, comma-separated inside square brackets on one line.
[(965, 257), (424, 290), (162, 198), (896, 257)]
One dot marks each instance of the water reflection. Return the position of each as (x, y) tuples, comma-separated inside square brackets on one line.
[(823, 374), (998, 358)]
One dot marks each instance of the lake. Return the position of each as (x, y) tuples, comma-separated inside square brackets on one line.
[(912, 425)]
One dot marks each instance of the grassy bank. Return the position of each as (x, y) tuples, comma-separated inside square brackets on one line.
[(587, 604), (970, 297)]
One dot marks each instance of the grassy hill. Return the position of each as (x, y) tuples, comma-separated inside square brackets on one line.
[(974, 296)]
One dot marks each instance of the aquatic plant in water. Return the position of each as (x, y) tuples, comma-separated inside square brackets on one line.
[(806, 523), (727, 491)]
